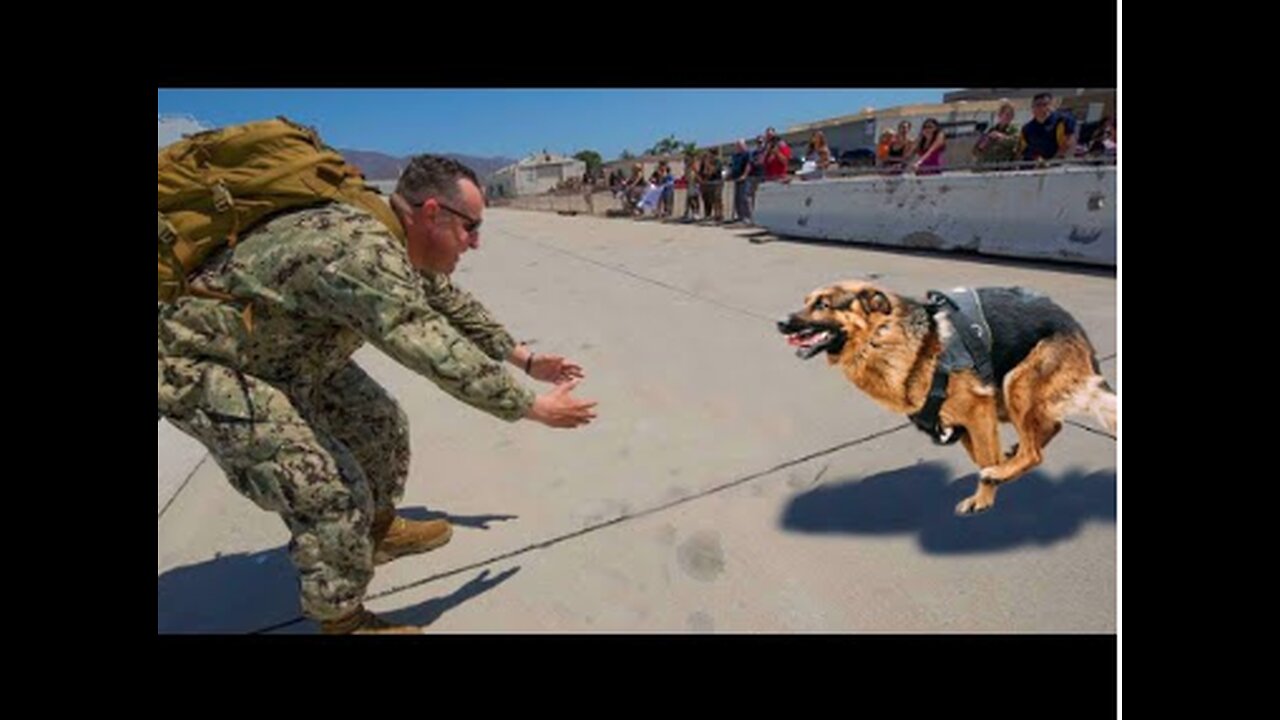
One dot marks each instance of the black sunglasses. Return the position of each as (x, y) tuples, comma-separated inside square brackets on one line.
[(469, 224)]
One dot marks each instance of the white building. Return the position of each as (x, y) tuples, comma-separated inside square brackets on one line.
[(534, 175)]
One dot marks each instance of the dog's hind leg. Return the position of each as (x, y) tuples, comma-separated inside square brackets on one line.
[(1035, 429), (1095, 397), (1089, 393), (1036, 394)]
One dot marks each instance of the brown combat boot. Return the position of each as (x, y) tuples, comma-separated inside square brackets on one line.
[(394, 536), (363, 622)]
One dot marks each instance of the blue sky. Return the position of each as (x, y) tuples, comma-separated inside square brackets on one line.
[(514, 123)]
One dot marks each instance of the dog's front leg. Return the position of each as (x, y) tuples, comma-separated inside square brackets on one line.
[(982, 440)]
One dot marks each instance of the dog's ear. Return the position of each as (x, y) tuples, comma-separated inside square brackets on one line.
[(841, 300), (874, 301)]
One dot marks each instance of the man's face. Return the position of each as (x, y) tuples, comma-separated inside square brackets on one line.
[(1041, 108), (444, 228)]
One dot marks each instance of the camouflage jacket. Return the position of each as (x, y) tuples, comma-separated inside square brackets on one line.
[(988, 149), (321, 282)]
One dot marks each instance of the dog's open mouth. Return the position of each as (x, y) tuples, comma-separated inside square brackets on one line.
[(814, 340)]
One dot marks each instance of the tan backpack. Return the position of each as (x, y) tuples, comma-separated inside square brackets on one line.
[(214, 186)]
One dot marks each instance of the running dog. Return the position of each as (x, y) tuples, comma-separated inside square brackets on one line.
[(959, 364)]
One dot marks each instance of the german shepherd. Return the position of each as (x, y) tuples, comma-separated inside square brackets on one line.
[(1044, 366)]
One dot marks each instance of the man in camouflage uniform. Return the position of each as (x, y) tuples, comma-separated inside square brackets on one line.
[(999, 144), (267, 383)]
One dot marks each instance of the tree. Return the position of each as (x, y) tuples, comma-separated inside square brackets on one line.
[(592, 159), (666, 146)]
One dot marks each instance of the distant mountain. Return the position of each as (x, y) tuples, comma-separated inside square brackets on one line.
[(380, 166), (484, 167), (375, 165)]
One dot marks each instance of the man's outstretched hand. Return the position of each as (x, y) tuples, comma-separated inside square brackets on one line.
[(554, 369), (558, 409)]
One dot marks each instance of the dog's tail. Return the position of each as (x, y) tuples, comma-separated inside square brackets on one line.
[(1095, 397)]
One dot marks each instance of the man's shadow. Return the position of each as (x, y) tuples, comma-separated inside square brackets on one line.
[(477, 522), (245, 592), (427, 611), (1034, 510)]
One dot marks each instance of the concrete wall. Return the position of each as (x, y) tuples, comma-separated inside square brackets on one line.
[(575, 202), (602, 202), (1058, 214)]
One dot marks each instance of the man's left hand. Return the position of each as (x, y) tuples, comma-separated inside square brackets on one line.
[(554, 369)]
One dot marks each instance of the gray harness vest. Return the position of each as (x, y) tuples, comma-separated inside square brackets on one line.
[(969, 348)]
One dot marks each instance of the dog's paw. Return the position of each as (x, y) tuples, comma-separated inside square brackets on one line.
[(973, 505)]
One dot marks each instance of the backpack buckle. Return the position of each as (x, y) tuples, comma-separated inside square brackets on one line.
[(222, 200), (164, 230)]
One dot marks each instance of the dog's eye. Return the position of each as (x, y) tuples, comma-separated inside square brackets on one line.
[(821, 304)]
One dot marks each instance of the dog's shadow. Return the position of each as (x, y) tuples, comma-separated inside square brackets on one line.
[(245, 592), (1034, 510)]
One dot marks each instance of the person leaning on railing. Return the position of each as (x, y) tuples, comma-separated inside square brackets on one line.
[(999, 144)]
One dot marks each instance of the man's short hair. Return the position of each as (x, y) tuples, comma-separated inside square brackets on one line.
[(1048, 97), (429, 176)]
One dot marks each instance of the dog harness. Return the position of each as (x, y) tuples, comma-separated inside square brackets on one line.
[(969, 348)]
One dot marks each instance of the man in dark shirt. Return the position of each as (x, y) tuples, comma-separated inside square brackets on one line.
[(1049, 134)]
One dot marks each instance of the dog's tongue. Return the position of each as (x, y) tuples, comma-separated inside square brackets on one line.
[(805, 341), (808, 351), (809, 345)]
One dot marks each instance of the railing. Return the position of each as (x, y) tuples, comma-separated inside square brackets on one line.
[(968, 166)]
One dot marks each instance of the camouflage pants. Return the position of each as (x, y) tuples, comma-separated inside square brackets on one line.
[(325, 458)]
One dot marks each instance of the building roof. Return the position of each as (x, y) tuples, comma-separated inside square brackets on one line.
[(539, 160), (943, 108), (1011, 93)]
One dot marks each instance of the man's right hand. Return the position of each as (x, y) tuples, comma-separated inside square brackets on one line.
[(558, 410)]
